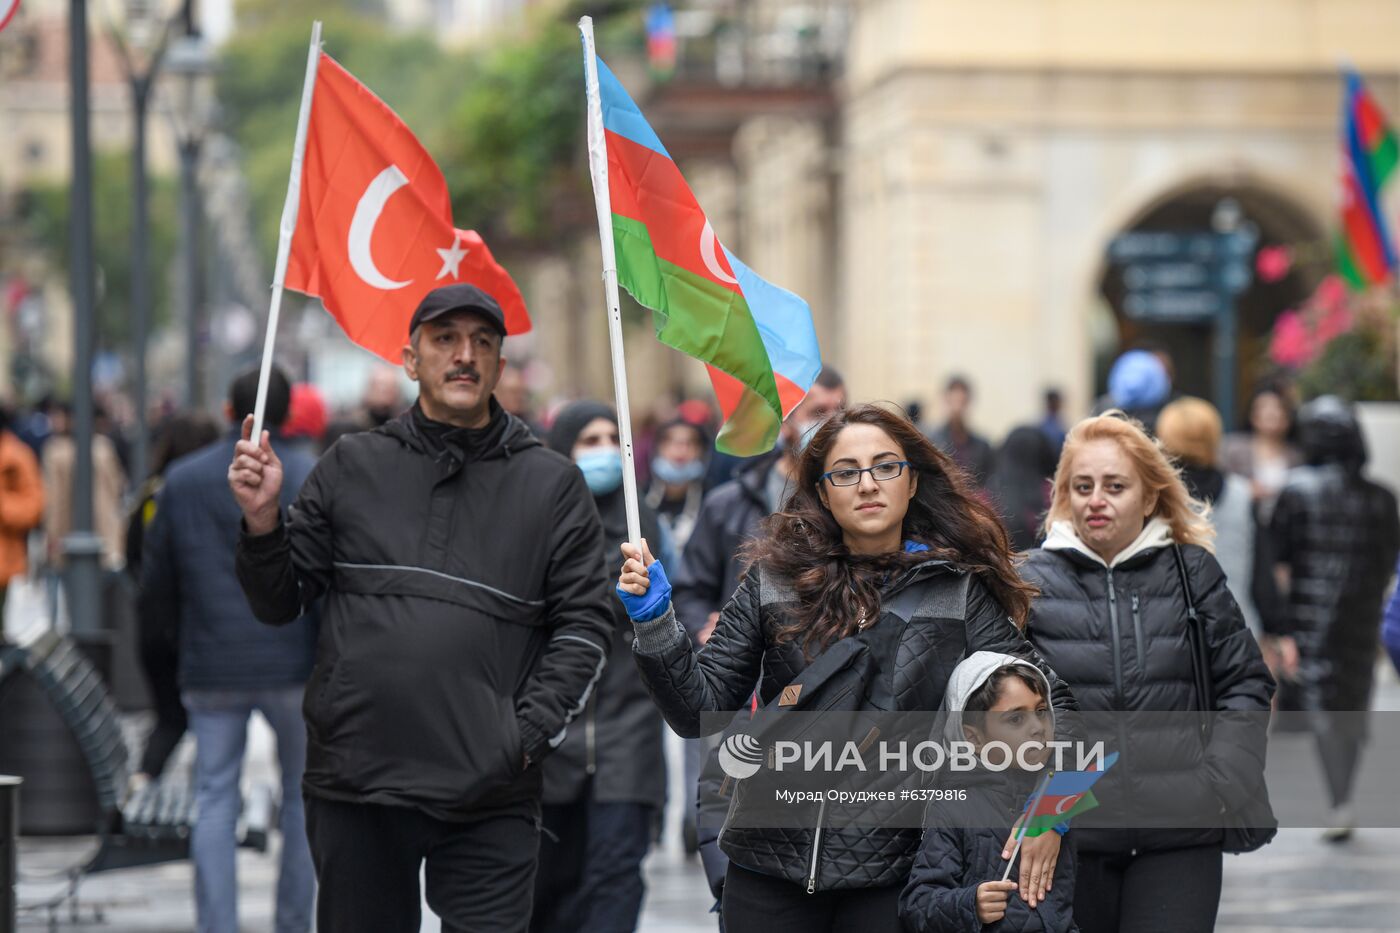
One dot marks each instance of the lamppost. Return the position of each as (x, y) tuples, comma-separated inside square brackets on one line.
[(189, 59), (82, 547), (141, 37)]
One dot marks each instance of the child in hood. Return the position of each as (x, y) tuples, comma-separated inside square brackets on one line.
[(955, 884)]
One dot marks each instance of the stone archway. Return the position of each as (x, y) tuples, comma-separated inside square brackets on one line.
[(1279, 219)]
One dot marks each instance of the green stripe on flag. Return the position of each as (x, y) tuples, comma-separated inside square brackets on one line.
[(1347, 266), (1382, 160), (699, 317)]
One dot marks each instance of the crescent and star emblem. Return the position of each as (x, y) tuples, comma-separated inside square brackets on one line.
[(1067, 803), (367, 211)]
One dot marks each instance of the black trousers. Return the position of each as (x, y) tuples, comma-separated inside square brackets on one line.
[(590, 879), (1175, 891), (160, 660), (755, 903), (480, 875)]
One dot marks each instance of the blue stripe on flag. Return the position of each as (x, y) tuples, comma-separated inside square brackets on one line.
[(621, 114), (784, 322)]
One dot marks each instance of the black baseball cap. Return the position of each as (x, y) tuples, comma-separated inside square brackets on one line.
[(460, 297)]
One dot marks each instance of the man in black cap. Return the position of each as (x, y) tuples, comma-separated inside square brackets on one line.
[(466, 620)]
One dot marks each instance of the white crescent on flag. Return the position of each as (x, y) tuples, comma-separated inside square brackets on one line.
[(8, 8), (1067, 803)]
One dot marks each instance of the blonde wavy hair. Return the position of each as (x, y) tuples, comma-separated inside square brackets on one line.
[(1189, 518)]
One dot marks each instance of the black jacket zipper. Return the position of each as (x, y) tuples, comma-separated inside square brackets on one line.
[(1117, 640), (1137, 636)]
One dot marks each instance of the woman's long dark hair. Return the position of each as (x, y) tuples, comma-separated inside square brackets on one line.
[(802, 545)]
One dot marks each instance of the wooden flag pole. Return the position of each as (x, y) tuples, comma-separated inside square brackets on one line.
[(1026, 822), (288, 226), (598, 168)]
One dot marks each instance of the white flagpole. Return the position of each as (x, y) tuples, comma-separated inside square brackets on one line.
[(288, 226), (1026, 822), (598, 168)]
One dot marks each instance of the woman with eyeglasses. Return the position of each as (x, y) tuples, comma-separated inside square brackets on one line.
[(882, 540)]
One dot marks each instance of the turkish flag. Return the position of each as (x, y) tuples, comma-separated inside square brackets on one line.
[(374, 231)]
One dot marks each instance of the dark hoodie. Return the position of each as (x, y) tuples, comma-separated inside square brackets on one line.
[(618, 742), (467, 612), (1020, 484)]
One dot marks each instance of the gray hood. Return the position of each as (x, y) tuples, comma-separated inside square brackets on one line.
[(971, 674)]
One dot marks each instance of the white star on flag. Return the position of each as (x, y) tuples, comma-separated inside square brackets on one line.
[(452, 258)]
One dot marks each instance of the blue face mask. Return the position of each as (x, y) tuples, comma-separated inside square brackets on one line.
[(677, 474), (602, 470)]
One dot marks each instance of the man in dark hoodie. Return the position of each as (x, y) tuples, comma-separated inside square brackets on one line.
[(1334, 537), (466, 621), (606, 783)]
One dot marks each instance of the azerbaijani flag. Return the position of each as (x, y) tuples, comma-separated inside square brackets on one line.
[(1065, 796), (757, 339), (1365, 255)]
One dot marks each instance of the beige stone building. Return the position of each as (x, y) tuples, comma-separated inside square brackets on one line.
[(951, 211)]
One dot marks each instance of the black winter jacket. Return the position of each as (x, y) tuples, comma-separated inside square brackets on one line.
[(954, 616), (1119, 637), (711, 565), (466, 616), (962, 848), (1339, 535)]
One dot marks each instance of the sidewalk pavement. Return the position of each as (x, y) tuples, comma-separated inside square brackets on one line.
[(1298, 882)]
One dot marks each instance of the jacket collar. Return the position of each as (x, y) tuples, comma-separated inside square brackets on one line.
[(754, 475), (514, 438), (1155, 534)]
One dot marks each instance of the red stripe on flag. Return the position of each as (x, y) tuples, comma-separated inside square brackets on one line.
[(1369, 120), (1360, 231), (646, 186)]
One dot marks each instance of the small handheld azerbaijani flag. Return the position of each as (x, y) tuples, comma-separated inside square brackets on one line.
[(1066, 795), (757, 340), (1365, 255)]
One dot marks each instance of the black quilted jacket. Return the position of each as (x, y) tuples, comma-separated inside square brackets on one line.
[(954, 615), (1338, 534), (1119, 636), (953, 859)]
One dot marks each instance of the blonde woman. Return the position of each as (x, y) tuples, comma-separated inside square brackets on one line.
[(1125, 541)]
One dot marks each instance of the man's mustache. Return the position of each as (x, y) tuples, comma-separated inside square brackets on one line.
[(459, 371)]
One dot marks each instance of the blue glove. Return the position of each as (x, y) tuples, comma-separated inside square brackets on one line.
[(652, 604)]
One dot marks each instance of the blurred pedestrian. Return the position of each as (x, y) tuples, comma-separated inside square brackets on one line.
[(467, 620), (381, 401), (21, 506), (1052, 422), (678, 479), (108, 486), (513, 394), (969, 450), (160, 637), (1335, 537), (1190, 430), (1264, 453), (871, 496), (1390, 628), (712, 563), (1020, 484), (1127, 551), (1139, 384), (305, 427), (605, 783), (230, 665)]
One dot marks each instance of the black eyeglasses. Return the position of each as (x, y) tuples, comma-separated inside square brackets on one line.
[(882, 472)]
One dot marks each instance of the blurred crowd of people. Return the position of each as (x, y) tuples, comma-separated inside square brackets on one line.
[(1308, 546)]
